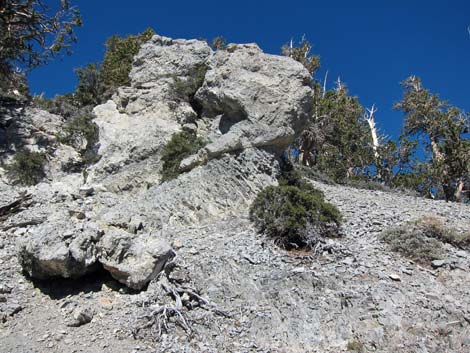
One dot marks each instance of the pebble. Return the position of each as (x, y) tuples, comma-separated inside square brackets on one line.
[(394, 277), (440, 263), (81, 316)]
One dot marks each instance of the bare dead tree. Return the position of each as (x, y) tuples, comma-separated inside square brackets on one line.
[(324, 84), (339, 85), (370, 118)]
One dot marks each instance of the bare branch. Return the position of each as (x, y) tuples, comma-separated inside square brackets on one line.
[(324, 84)]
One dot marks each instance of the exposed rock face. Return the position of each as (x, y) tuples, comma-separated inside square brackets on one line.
[(129, 147), (142, 118), (59, 249), (25, 127), (247, 99), (222, 187), (36, 130), (251, 99), (162, 58), (134, 261)]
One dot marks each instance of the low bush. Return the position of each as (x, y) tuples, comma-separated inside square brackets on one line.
[(82, 134), (27, 168), (435, 228), (422, 240), (182, 144), (184, 89), (219, 43), (355, 346), (411, 242), (294, 213), (117, 62), (63, 105)]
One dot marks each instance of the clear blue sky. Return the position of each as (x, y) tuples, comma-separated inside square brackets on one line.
[(372, 45)]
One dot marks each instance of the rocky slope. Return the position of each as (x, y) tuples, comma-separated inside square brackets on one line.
[(357, 291), (113, 261)]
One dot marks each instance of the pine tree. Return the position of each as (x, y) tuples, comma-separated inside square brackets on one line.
[(442, 129), (30, 36)]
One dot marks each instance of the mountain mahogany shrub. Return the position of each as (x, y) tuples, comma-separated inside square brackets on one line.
[(294, 213), (182, 144), (27, 168)]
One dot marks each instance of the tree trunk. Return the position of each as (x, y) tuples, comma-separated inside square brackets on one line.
[(438, 155), (459, 190)]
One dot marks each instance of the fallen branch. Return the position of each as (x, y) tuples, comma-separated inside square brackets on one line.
[(185, 299), (15, 206)]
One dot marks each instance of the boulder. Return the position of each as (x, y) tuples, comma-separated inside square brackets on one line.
[(59, 249), (163, 58), (251, 99), (133, 261)]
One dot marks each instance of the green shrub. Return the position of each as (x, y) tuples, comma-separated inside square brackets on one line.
[(185, 88), (82, 133), (63, 105), (219, 43), (27, 168), (120, 52), (294, 213), (182, 144), (90, 90)]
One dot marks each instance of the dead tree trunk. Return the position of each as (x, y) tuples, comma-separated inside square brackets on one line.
[(370, 118)]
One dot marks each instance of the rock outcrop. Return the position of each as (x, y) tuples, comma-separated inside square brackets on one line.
[(246, 99), (23, 127), (251, 99), (135, 126), (247, 104)]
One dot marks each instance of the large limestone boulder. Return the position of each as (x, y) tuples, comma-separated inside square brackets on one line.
[(59, 249), (55, 249), (251, 99), (133, 261)]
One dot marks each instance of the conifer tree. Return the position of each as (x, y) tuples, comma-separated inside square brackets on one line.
[(443, 129), (30, 36)]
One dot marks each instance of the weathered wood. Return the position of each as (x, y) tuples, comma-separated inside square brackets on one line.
[(15, 206)]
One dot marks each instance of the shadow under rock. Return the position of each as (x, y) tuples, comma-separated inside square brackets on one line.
[(59, 288)]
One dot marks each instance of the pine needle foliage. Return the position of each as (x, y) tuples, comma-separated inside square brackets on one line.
[(181, 145)]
